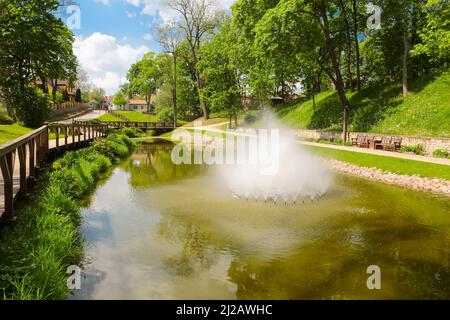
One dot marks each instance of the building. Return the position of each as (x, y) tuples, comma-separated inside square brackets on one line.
[(61, 86), (107, 104)]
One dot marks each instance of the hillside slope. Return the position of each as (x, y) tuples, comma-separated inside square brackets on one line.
[(380, 109)]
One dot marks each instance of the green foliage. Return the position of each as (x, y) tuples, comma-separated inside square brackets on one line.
[(97, 96), (165, 114), (35, 253), (78, 96), (33, 43), (108, 117), (221, 89), (32, 106), (417, 149), (131, 132), (136, 116), (435, 34), (379, 109), (119, 99), (441, 154), (5, 119), (114, 146), (143, 77)]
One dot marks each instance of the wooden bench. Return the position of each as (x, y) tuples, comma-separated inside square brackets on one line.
[(391, 143), (361, 141)]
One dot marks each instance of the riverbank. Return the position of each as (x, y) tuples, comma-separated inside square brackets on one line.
[(36, 252), (435, 185), (395, 169)]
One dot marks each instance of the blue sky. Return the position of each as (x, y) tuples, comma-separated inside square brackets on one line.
[(114, 34)]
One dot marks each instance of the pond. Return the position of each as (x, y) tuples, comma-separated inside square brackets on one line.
[(155, 230)]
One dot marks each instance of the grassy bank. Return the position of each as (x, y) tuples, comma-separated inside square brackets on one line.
[(395, 165), (35, 254), (10, 132), (380, 109)]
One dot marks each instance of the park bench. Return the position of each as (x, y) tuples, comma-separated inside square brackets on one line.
[(391, 143), (360, 141)]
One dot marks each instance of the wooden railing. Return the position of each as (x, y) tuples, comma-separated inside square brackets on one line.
[(32, 150), (137, 125)]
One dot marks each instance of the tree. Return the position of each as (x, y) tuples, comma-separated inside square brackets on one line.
[(143, 78), (199, 18), (33, 43), (435, 33), (78, 96), (169, 36), (82, 82), (405, 10), (221, 76), (119, 99), (96, 96)]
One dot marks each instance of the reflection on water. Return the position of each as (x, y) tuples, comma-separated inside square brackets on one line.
[(160, 231)]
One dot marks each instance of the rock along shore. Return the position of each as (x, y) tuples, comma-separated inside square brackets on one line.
[(435, 185)]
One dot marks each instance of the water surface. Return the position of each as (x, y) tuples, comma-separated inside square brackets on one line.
[(160, 231)]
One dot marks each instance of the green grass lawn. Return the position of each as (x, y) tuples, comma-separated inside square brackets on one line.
[(135, 116), (12, 131), (379, 109), (109, 118), (395, 165)]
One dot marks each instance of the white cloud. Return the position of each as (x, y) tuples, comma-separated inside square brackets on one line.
[(160, 9), (130, 14), (106, 61), (135, 3), (104, 2), (147, 36)]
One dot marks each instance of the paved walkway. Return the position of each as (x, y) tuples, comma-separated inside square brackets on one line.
[(380, 153), (407, 156), (94, 114), (52, 145)]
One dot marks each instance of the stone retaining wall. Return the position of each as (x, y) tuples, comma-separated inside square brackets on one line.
[(430, 144)]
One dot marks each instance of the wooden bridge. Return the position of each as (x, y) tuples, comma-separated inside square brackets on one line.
[(136, 125), (20, 159)]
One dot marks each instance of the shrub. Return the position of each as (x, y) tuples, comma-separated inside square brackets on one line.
[(32, 106), (131, 133), (35, 254), (418, 149), (5, 119), (165, 114), (441, 154)]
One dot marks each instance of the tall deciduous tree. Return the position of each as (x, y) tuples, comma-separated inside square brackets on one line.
[(143, 78), (199, 18), (222, 79), (33, 43), (169, 36), (405, 11)]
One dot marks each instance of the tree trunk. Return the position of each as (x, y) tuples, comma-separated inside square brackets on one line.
[(349, 46), (338, 82), (405, 49), (319, 87), (44, 84), (175, 91), (314, 102), (235, 119), (355, 33), (202, 101), (54, 89)]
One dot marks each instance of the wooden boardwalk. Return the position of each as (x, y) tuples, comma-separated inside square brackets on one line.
[(21, 157)]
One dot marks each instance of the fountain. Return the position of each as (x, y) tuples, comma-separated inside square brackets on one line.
[(299, 176)]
